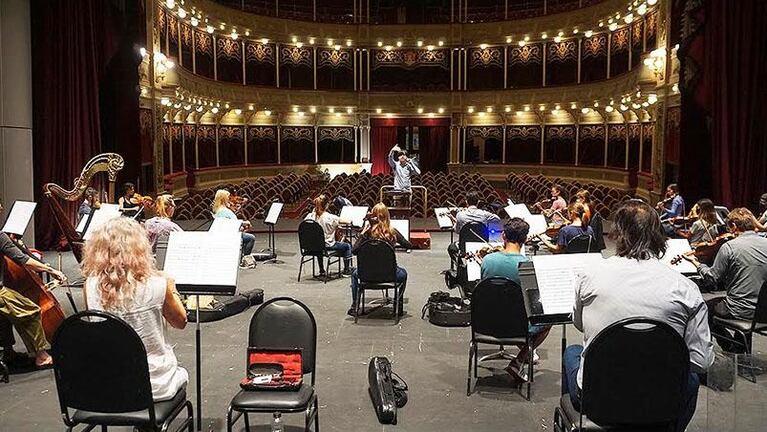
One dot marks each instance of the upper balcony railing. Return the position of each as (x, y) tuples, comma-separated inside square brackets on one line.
[(405, 12)]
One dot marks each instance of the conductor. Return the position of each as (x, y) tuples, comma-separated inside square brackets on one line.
[(402, 167)]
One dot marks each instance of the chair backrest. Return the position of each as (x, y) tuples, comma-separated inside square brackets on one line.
[(597, 226), (583, 243), (100, 365), (722, 212), (376, 262), (311, 238), (498, 309), (760, 314), (283, 322), (472, 232), (634, 373)]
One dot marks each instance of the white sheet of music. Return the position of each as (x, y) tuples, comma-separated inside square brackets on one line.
[(203, 258), (100, 217), (674, 248), (517, 210), (356, 214), (274, 213), (109, 207), (537, 224), (19, 217), (403, 226), (81, 224), (443, 219), (224, 225), (556, 279)]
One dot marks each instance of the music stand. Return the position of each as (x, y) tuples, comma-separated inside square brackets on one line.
[(270, 253), (184, 258)]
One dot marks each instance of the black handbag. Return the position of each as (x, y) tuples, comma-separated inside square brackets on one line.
[(386, 392)]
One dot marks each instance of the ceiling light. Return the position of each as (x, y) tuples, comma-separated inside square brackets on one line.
[(613, 26), (588, 33), (440, 43), (238, 111), (470, 110), (267, 113), (399, 43), (209, 29), (483, 46), (348, 110), (441, 110), (420, 110), (313, 109), (378, 110), (419, 43), (311, 41), (380, 43)]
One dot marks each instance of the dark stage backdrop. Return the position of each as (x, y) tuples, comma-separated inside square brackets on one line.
[(85, 98), (434, 136), (723, 150)]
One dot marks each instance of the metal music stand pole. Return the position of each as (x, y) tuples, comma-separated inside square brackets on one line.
[(272, 246), (198, 366)]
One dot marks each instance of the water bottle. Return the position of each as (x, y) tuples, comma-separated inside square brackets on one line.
[(277, 425)]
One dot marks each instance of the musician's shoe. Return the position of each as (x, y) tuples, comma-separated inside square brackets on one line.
[(517, 370), (347, 272), (352, 310)]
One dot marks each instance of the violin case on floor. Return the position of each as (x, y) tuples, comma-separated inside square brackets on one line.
[(387, 390), (447, 311), (224, 307)]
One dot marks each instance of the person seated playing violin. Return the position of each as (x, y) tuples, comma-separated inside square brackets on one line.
[(706, 228), (329, 223), (161, 224), (583, 197), (505, 264), (558, 205), (221, 209), (671, 207), (472, 213), (128, 204), (18, 310), (576, 227), (740, 269)]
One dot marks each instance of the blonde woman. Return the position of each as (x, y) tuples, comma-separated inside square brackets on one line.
[(329, 223), (121, 279), (379, 227), (221, 210), (161, 224)]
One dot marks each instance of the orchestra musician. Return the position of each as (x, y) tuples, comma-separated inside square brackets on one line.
[(635, 283), (505, 264), (671, 207), (121, 279), (583, 197), (403, 168), (128, 204), (220, 209), (558, 205), (329, 223), (762, 222), (706, 228), (576, 227), (474, 214), (161, 224), (90, 203), (378, 227), (19, 311), (740, 268)]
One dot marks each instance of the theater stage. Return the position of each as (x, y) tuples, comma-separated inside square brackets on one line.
[(432, 360)]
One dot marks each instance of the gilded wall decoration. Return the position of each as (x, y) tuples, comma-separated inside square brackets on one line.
[(186, 35), (620, 40), (525, 54), (296, 56), (229, 48), (189, 130), (206, 132), (635, 129), (262, 53), (560, 132), (652, 23), (617, 132), (562, 51), (334, 58), (336, 134), (486, 57), (297, 133), (175, 132), (594, 46), (145, 121), (160, 17), (230, 132), (410, 59), (484, 132), (592, 132), (524, 132), (172, 28), (262, 133), (648, 130), (203, 42), (636, 33)]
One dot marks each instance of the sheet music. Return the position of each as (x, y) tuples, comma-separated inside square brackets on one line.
[(517, 210), (109, 207), (674, 248), (444, 221), (356, 214), (99, 217), (19, 217), (556, 279), (537, 224), (403, 226), (274, 213), (81, 225), (202, 258), (224, 225)]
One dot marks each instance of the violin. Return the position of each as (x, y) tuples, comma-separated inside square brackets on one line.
[(482, 253), (705, 252), (137, 199)]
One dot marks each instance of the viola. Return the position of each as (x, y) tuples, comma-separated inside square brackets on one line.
[(28, 283), (482, 253), (705, 252), (145, 200)]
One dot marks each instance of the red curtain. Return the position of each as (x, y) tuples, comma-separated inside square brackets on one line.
[(433, 148), (382, 139), (725, 64), (73, 42)]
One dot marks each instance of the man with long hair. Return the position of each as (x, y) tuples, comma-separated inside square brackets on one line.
[(635, 283)]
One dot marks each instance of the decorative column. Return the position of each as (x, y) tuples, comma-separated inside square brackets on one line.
[(364, 151)]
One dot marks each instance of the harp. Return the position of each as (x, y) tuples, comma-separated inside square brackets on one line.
[(110, 163)]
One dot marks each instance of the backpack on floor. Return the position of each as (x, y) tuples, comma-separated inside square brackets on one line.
[(447, 311)]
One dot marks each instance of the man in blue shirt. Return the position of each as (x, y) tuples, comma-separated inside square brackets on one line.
[(505, 264), (671, 207)]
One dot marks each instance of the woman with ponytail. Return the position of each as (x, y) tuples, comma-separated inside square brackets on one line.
[(329, 223), (577, 226)]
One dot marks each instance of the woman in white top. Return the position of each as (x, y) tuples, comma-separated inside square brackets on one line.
[(221, 203), (329, 223), (122, 280)]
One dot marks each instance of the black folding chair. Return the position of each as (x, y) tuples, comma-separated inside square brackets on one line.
[(281, 322), (311, 241), (597, 225), (498, 317), (583, 243), (635, 373), (745, 330), (102, 377), (377, 270)]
